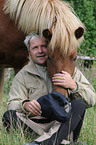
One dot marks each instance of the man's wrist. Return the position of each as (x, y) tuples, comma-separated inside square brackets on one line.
[(73, 86), (23, 103), (76, 87)]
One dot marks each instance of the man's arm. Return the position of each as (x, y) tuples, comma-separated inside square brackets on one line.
[(85, 89), (78, 84), (18, 98)]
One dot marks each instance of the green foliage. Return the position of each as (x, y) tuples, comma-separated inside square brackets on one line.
[(86, 11)]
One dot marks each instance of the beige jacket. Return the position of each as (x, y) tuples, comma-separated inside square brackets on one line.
[(30, 84)]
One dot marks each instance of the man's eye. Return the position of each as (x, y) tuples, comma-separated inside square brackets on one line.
[(34, 47), (75, 58), (44, 46)]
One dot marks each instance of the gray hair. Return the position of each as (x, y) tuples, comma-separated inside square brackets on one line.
[(29, 37)]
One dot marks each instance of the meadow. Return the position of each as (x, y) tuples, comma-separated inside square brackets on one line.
[(88, 131)]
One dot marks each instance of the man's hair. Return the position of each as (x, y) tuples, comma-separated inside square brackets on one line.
[(29, 37)]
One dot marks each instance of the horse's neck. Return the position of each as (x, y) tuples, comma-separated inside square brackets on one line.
[(61, 90)]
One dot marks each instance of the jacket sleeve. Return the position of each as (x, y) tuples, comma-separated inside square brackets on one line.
[(18, 94), (85, 90)]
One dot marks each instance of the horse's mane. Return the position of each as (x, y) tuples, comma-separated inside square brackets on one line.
[(36, 15)]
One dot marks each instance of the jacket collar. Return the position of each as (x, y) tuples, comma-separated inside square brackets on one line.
[(32, 68)]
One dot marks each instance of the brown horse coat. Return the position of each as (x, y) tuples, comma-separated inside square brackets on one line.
[(13, 52)]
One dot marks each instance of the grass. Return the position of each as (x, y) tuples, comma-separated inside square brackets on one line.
[(14, 137), (88, 132)]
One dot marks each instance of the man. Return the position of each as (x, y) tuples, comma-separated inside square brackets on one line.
[(31, 83)]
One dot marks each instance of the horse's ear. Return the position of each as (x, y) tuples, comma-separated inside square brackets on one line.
[(79, 32), (47, 34)]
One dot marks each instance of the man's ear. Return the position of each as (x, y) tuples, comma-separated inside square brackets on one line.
[(79, 32), (47, 33)]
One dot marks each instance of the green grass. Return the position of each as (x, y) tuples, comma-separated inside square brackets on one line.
[(88, 131)]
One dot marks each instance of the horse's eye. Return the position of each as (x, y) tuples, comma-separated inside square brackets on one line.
[(75, 59)]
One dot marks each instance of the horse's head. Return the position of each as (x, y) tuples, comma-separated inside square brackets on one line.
[(58, 61)]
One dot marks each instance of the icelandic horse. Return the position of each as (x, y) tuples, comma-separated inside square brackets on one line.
[(13, 52), (59, 24)]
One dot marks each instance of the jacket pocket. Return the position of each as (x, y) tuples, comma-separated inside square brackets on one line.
[(32, 89)]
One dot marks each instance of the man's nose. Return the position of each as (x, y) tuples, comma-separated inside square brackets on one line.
[(40, 49)]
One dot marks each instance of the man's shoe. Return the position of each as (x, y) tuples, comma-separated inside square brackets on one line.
[(32, 143)]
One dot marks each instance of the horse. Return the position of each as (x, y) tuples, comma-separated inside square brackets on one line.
[(13, 52), (57, 22)]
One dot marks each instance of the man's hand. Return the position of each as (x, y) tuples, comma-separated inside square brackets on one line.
[(33, 107), (64, 79)]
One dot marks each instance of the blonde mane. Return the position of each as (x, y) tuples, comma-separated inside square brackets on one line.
[(37, 15)]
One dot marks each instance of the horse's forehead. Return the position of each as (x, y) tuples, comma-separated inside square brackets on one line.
[(57, 53)]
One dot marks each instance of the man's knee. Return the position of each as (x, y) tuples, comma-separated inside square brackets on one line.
[(8, 115), (78, 107), (9, 119)]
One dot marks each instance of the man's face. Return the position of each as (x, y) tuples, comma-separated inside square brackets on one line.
[(38, 50)]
